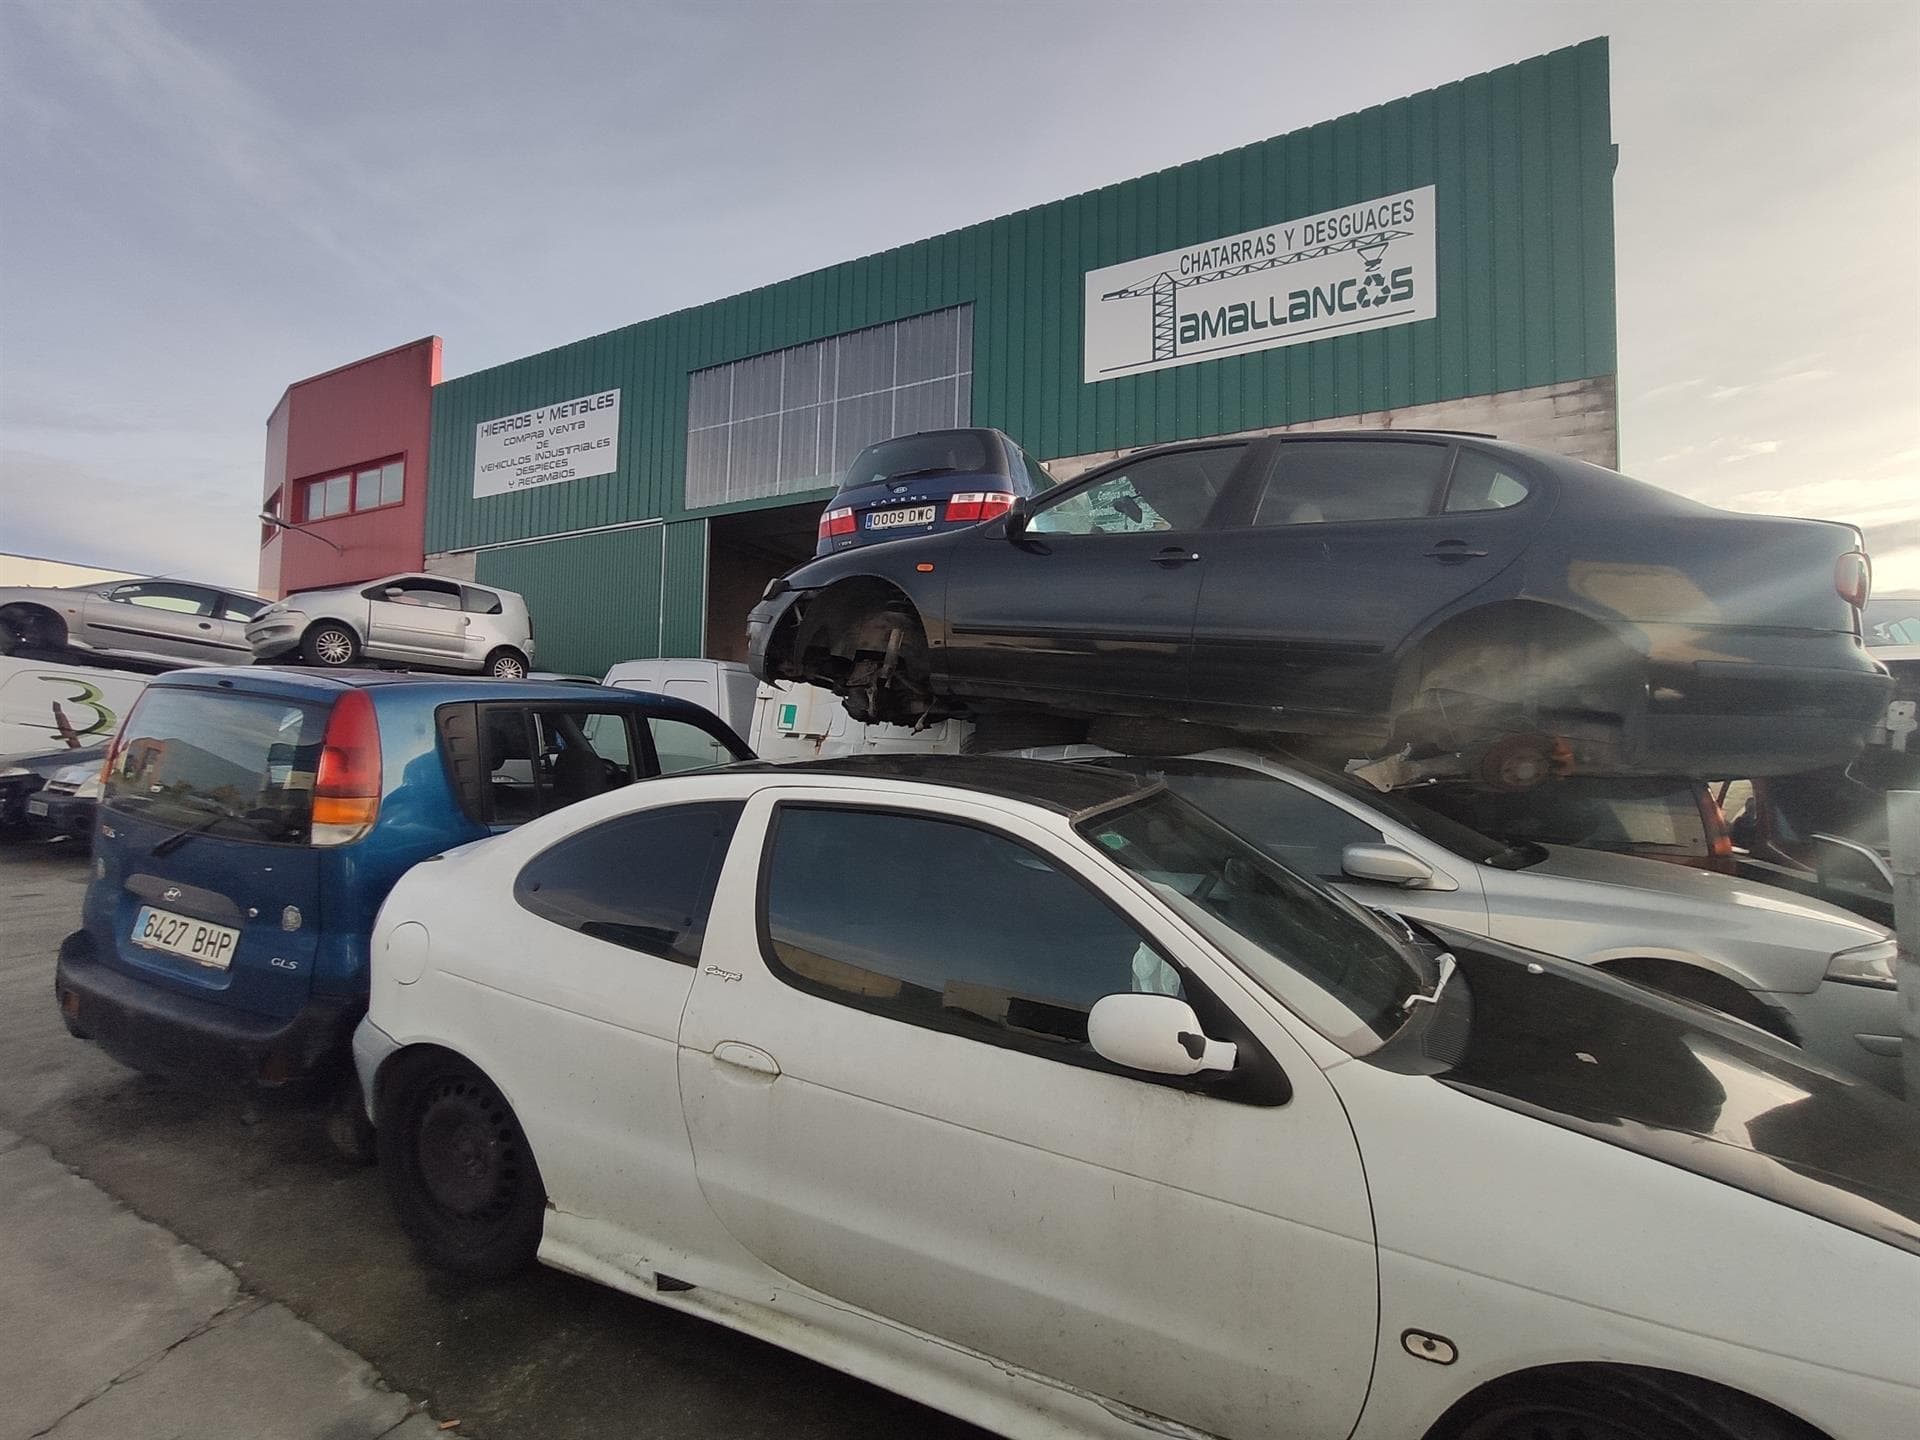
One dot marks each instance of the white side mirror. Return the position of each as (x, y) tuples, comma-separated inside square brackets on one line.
[(1156, 1033), (1388, 864)]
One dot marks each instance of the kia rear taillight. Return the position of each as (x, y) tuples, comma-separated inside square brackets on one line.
[(978, 504), (836, 522), (346, 788), (1853, 578)]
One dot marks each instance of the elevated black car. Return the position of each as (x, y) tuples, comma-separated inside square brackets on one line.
[(1399, 590)]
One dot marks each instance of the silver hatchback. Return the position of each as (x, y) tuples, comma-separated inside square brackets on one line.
[(426, 622)]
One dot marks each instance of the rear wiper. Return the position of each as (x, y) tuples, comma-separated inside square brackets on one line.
[(917, 474), (1447, 965), (170, 843)]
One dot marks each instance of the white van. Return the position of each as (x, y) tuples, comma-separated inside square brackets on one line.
[(45, 704), (724, 687), (792, 721)]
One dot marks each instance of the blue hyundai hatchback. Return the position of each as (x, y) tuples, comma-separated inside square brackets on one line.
[(253, 820), (932, 481)]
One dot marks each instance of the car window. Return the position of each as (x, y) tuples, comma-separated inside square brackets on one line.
[(1299, 829), (681, 746), (239, 767), (539, 760), (1329, 482), (1037, 474), (1159, 492), (644, 881), (938, 923), (159, 595), (1604, 814), (239, 607), (479, 602), (1481, 483)]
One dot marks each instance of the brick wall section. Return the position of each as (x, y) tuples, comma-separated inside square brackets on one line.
[(1577, 418)]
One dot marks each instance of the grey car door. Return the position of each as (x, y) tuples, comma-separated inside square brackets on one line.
[(155, 617), (416, 618)]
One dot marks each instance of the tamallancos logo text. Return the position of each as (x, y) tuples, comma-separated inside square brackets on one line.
[(1350, 296)]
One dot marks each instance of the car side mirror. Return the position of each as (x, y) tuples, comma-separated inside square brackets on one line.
[(393, 592), (1156, 1033), (1388, 864), (1017, 519)]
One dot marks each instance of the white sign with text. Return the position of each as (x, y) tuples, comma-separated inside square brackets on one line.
[(1360, 267), (569, 440)]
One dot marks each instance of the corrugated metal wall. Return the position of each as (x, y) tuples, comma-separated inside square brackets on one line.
[(683, 613), (595, 598), (1522, 159)]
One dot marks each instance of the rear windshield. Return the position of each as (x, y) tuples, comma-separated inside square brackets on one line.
[(1602, 815), (239, 766), (938, 452)]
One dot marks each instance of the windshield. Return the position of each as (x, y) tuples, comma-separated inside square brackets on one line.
[(233, 766), (936, 452), (1429, 824), (1319, 954)]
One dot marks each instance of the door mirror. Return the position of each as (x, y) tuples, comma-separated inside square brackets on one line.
[(1847, 864), (393, 592), (1017, 518), (1388, 864), (1156, 1033)]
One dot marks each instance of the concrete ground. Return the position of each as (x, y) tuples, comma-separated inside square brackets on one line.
[(292, 1279)]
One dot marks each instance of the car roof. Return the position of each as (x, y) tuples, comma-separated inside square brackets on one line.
[(296, 682), (1063, 789)]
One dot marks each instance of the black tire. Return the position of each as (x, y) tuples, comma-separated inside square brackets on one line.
[(31, 627), (1616, 1403), (458, 1168), (330, 645), (506, 663)]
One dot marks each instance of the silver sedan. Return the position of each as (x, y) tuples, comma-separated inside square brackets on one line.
[(155, 619), (1807, 971)]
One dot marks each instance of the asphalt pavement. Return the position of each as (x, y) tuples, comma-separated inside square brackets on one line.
[(271, 1265)]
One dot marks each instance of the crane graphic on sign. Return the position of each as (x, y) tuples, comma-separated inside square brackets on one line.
[(1163, 287)]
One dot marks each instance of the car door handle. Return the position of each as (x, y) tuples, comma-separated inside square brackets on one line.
[(746, 1057), (1175, 555), (1450, 551), (206, 624)]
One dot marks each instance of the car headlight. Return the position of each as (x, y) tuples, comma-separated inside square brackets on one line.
[(89, 788), (1865, 965)]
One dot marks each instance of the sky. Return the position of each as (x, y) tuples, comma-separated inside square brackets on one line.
[(203, 200)]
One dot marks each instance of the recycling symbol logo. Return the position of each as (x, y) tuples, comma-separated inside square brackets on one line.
[(1373, 289)]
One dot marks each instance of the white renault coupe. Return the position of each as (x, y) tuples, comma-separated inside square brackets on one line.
[(1031, 1092)]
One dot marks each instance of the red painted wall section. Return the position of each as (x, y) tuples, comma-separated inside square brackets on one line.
[(372, 411)]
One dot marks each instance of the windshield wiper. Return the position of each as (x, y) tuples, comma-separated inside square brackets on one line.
[(1446, 965)]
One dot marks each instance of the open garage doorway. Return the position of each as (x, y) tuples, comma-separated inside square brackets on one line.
[(744, 552)]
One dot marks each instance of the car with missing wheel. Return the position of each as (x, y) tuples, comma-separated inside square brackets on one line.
[(423, 622), (157, 619), (1088, 1118), (252, 820), (1799, 968), (1403, 594)]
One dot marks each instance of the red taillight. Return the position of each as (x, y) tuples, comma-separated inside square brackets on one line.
[(836, 522), (1853, 578), (116, 748), (978, 504), (346, 787)]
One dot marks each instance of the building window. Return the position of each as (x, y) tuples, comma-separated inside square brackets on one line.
[(368, 488), (792, 420)]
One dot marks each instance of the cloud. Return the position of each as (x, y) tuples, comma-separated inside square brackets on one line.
[(1749, 450)]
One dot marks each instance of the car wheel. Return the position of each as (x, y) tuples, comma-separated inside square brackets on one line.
[(507, 665), (30, 625), (330, 645), (458, 1168), (1619, 1403)]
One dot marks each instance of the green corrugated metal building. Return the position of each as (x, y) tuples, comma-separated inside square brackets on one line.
[(1445, 260)]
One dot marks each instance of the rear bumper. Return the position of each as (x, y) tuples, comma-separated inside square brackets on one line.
[(1737, 703), (165, 1033)]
